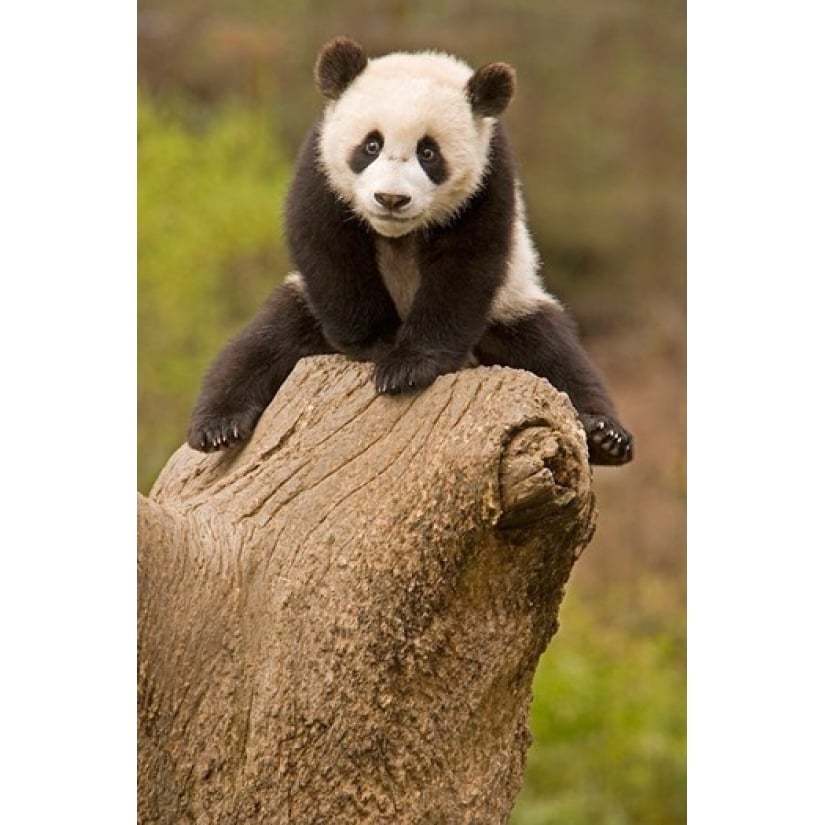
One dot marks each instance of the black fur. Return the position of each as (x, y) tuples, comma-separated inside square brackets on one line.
[(346, 307), (338, 64), (249, 370), (335, 253), (491, 88), (546, 344)]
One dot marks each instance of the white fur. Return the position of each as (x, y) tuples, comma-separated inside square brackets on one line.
[(405, 97), (522, 289), (399, 271), (296, 281), (397, 176)]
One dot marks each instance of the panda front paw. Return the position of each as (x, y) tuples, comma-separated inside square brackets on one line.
[(607, 441), (403, 370), (209, 432)]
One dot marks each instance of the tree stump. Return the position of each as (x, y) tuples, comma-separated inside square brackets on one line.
[(340, 621)]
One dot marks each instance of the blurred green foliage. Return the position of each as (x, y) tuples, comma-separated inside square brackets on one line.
[(608, 722), (209, 249)]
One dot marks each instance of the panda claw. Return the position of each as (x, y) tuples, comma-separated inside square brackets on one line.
[(216, 431), (608, 442), (405, 370)]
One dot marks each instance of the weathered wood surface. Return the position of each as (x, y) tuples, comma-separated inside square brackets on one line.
[(340, 622)]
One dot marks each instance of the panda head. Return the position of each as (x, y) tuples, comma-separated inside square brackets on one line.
[(405, 138)]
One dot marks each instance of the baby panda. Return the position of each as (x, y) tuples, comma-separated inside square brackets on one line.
[(407, 228)]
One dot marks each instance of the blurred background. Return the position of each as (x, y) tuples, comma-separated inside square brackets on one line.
[(598, 127)]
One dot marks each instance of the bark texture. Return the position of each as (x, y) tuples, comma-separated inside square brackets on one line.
[(340, 622)]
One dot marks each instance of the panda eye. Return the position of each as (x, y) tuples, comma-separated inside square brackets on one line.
[(365, 152), (432, 159), (428, 150)]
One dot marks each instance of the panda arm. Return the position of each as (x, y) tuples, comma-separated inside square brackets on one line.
[(462, 265), (336, 257)]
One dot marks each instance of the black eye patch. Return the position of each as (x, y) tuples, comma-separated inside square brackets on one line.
[(431, 160), (366, 152)]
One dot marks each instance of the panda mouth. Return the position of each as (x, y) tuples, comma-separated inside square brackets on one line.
[(394, 226), (392, 222), (396, 220), (393, 217)]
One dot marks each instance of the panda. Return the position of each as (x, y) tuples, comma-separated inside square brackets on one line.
[(406, 224)]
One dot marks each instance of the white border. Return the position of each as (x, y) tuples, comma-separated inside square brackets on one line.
[(67, 258), (755, 574)]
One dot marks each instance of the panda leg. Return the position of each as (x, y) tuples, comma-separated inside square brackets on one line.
[(249, 370), (546, 343)]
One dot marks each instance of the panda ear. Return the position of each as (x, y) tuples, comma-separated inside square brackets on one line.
[(491, 88), (339, 62)]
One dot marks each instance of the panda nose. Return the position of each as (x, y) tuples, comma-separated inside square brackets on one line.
[(392, 201)]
